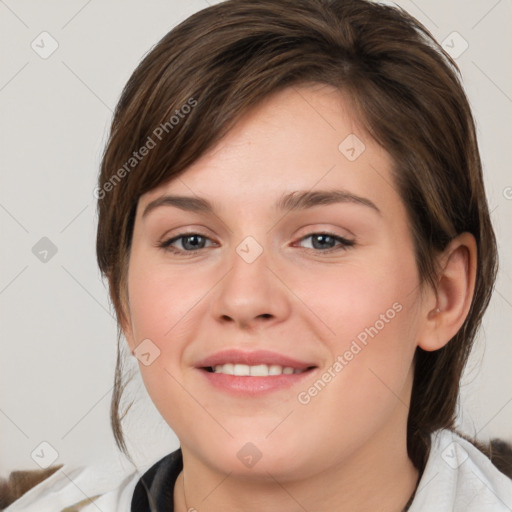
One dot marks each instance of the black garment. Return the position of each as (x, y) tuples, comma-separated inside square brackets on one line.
[(155, 489)]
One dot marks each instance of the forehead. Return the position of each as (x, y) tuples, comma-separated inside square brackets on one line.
[(301, 138)]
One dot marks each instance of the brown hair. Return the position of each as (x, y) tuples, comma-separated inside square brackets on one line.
[(227, 58)]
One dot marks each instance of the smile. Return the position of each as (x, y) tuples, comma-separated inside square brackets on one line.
[(259, 370)]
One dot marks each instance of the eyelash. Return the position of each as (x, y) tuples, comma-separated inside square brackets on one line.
[(345, 244)]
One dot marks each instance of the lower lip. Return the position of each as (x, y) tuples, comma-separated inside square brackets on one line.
[(239, 385)]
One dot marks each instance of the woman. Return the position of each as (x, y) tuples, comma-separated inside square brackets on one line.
[(293, 224)]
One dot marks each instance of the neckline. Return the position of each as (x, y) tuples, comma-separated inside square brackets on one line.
[(153, 492)]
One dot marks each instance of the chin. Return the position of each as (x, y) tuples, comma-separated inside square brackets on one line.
[(257, 458)]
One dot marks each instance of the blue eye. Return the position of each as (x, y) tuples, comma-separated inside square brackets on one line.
[(194, 242), (321, 240), (191, 242)]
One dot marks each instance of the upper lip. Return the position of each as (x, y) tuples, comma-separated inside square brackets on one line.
[(235, 356)]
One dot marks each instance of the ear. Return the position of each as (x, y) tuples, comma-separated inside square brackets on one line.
[(447, 307)]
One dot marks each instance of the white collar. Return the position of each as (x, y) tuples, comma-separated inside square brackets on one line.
[(458, 477)]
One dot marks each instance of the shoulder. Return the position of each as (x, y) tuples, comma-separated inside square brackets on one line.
[(458, 477), (108, 487), (74, 489)]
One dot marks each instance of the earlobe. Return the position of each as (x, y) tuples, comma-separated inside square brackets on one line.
[(454, 293)]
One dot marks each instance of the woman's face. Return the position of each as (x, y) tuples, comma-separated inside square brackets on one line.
[(268, 277)]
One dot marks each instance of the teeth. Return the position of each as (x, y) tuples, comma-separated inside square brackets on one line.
[(241, 369), (259, 370), (275, 369)]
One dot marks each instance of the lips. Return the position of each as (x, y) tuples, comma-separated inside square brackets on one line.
[(233, 372)]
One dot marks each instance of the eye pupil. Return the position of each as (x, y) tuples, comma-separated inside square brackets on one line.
[(323, 239), (194, 245)]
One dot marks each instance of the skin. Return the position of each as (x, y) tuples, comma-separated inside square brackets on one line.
[(345, 450)]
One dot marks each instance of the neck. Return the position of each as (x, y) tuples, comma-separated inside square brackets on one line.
[(379, 476)]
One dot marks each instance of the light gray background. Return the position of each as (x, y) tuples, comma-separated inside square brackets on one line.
[(58, 334)]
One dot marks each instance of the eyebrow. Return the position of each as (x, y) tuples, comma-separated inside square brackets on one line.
[(293, 201)]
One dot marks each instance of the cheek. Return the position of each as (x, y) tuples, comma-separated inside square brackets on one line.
[(359, 296), (161, 301), (162, 309), (369, 311)]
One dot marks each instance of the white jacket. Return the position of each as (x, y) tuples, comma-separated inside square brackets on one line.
[(457, 478)]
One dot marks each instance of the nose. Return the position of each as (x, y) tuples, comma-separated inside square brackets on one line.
[(251, 294)]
